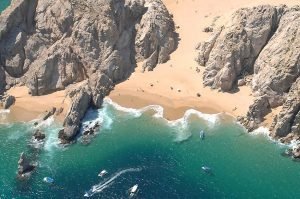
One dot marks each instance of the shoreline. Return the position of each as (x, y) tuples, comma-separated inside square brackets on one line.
[(173, 85), (27, 108)]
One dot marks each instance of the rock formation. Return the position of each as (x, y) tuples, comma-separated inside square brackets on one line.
[(24, 166), (232, 51), (288, 120), (38, 135), (49, 113), (48, 45), (7, 101), (261, 44)]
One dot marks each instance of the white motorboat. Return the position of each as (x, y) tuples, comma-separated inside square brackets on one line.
[(48, 180), (102, 173), (133, 190), (206, 169)]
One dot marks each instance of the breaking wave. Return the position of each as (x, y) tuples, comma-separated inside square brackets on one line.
[(180, 126)]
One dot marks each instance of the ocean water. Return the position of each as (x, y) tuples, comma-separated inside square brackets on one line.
[(4, 4), (139, 147), (164, 158)]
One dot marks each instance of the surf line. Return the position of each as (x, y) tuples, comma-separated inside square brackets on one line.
[(100, 187)]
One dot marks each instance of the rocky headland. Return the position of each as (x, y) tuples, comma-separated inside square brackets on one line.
[(260, 47), (49, 45), (88, 48)]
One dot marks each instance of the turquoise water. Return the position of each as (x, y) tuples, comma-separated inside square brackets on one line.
[(163, 158), (4, 4)]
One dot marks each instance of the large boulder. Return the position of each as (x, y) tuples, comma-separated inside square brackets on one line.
[(256, 113), (38, 135), (25, 167), (81, 101), (100, 85), (155, 39)]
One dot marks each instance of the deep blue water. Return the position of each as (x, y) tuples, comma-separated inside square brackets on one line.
[(163, 158)]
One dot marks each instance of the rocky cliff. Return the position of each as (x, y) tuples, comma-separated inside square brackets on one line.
[(49, 44), (261, 46)]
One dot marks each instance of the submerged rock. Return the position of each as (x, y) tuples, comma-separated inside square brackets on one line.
[(39, 135), (25, 167)]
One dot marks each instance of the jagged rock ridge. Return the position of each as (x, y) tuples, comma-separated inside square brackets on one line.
[(48, 45), (261, 44)]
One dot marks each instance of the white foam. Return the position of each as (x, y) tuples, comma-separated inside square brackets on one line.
[(100, 116), (52, 141), (180, 125), (101, 186), (44, 123), (3, 114), (4, 111), (132, 111), (261, 131), (266, 132)]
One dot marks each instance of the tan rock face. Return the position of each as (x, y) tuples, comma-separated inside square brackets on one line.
[(232, 52), (263, 42), (49, 44), (288, 120), (278, 64)]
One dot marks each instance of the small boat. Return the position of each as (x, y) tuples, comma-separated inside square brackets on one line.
[(102, 173), (87, 194), (206, 169), (133, 190), (48, 180), (202, 135)]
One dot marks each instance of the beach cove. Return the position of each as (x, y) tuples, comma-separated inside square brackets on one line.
[(149, 134)]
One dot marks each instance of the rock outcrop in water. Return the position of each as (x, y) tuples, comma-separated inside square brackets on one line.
[(48, 45), (25, 167), (261, 44)]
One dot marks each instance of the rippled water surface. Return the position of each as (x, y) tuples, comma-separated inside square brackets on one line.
[(164, 158), (4, 4)]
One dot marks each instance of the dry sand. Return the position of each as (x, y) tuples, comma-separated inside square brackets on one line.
[(27, 107), (179, 72), (162, 85)]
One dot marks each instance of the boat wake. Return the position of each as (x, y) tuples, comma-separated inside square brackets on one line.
[(105, 184)]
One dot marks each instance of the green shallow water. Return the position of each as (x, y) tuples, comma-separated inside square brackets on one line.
[(4, 4), (166, 160)]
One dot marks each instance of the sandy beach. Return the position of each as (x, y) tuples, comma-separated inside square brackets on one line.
[(27, 107), (175, 85)]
